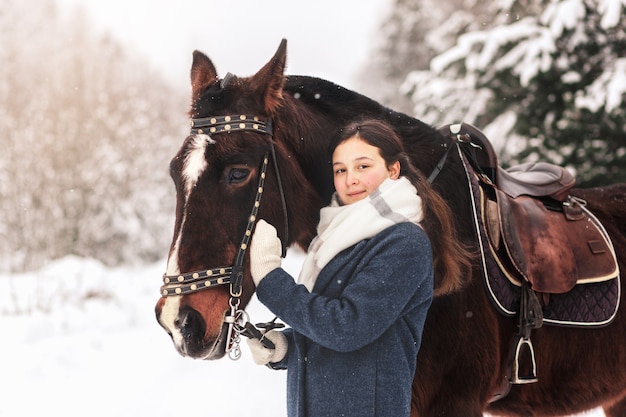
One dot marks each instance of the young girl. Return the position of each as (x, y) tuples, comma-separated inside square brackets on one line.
[(357, 312)]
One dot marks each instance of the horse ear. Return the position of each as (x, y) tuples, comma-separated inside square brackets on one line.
[(270, 79), (203, 74)]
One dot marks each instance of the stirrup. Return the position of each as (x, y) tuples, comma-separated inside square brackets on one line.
[(516, 378)]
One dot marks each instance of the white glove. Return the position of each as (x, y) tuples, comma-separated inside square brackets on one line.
[(262, 355), (265, 251)]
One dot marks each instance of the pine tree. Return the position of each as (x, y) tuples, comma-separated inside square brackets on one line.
[(410, 35), (546, 80)]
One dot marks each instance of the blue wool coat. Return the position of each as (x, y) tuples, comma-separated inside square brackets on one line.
[(353, 340)]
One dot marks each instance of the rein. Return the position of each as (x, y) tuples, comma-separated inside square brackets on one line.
[(190, 282)]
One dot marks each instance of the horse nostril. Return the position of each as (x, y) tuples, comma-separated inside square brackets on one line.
[(181, 321), (191, 325)]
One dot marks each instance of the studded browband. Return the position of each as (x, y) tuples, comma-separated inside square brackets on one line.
[(219, 124)]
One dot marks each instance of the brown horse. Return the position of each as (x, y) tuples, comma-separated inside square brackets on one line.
[(268, 133)]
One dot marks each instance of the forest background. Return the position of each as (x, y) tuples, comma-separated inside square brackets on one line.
[(88, 127)]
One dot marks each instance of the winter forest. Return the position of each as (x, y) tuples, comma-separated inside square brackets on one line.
[(88, 129), (85, 132)]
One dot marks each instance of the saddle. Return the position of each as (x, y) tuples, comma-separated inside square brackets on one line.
[(538, 244), (537, 232)]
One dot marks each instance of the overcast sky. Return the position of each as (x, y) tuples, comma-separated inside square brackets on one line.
[(326, 38)]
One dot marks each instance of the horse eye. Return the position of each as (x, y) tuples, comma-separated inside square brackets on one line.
[(237, 175)]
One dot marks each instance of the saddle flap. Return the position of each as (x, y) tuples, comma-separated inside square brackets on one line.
[(551, 249), (536, 242)]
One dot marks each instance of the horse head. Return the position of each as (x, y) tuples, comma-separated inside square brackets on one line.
[(258, 149), (229, 172)]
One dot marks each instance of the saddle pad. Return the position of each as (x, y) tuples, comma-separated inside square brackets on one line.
[(586, 305)]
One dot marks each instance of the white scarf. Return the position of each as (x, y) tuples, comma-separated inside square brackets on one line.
[(340, 227)]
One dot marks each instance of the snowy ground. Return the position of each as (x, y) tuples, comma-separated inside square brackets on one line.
[(80, 339)]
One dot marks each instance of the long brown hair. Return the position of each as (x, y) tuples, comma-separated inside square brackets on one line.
[(450, 258)]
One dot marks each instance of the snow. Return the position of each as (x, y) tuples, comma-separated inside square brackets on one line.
[(526, 47), (607, 90), (530, 55), (563, 15), (81, 339), (611, 11)]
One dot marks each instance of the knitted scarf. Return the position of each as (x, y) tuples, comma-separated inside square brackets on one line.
[(340, 227)]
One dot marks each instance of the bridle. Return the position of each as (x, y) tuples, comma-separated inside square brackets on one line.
[(190, 282)]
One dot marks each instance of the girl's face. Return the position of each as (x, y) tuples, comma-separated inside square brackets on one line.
[(358, 169)]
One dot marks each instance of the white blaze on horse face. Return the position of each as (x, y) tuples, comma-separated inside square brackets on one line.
[(194, 166), (168, 318), (195, 162), (171, 306)]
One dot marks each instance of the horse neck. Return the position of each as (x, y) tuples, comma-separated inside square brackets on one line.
[(306, 136), (315, 109)]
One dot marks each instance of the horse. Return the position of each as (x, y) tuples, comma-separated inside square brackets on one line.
[(257, 149)]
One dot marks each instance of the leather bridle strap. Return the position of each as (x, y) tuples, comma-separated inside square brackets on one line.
[(219, 124), (237, 273), (195, 281)]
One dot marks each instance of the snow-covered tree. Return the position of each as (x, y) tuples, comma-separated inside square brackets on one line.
[(87, 133), (409, 36), (546, 81)]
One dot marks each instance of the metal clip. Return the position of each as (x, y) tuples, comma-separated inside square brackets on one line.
[(232, 342), (234, 353), (237, 321)]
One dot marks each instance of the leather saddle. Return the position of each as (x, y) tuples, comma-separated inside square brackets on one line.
[(537, 232), (542, 239)]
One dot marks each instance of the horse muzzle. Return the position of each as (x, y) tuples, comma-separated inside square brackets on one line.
[(188, 331)]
